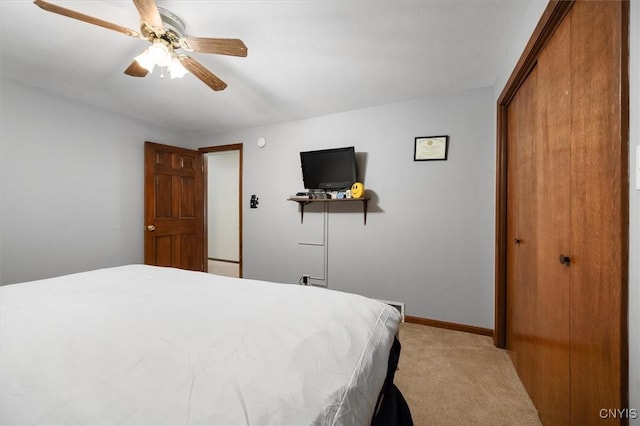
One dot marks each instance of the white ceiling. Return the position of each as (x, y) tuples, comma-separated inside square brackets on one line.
[(305, 58)]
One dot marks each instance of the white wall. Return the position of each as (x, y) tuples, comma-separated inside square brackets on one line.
[(222, 205), (429, 236), (71, 185), (519, 41)]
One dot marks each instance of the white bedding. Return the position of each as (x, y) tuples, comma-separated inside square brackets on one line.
[(143, 345)]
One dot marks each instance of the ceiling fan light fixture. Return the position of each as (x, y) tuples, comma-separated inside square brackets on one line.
[(160, 53), (176, 69), (145, 60)]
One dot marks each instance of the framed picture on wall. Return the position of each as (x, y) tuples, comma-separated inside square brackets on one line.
[(430, 148)]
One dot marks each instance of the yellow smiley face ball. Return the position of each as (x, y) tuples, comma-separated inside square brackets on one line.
[(357, 190)]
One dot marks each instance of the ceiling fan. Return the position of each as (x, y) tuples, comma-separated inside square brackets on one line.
[(165, 32)]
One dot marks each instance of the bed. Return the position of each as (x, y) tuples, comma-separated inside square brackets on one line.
[(145, 345)]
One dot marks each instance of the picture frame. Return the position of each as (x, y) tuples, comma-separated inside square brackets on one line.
[(431, 148)]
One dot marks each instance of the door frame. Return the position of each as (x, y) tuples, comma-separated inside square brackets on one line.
[(203, 152)]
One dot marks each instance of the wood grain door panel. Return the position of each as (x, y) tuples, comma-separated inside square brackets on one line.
[(550, 388), (521, 269), (174, 195), (598, 188)]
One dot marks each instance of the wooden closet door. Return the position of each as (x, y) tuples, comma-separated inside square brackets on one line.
[(566, 289), (521, 239), (598, 210), (550, 387), (539, 228)]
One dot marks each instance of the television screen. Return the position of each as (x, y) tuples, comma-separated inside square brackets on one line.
[(331, 169)]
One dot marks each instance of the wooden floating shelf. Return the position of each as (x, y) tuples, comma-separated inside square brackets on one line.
[(304, 201)]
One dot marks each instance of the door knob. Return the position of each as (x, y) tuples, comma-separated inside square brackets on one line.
[(151, 228), (565, 260), (517, 241)]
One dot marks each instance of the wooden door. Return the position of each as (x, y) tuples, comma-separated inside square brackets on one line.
[(563, 125), (599, 210), (552, 226), (173, 207), (537, 230), (521, 198)]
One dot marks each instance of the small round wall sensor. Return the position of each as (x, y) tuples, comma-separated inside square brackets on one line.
[(262, 142)]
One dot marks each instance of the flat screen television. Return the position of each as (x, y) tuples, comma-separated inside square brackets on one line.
[(329, 169)]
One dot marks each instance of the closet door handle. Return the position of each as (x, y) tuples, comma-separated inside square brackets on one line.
[(517, 241), (565, 260)]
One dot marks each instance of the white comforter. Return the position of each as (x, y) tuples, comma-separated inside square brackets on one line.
[(143, 345)]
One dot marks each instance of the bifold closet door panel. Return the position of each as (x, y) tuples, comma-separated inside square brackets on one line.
[(550, 389), (598, 176), (522, 332)]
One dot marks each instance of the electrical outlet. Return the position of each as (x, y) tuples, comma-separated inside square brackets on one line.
[(638, 167), (398, 305)]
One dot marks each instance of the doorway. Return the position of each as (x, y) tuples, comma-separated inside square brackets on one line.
[(223, 207)]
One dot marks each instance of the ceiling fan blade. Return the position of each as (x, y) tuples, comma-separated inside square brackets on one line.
[(221, 46), (136, 70), (206, 76), (49, 7), (148, 10)]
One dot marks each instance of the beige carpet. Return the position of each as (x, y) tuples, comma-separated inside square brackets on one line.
[(228, 269), (454, 378)]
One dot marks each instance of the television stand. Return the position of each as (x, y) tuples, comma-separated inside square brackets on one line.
[(302, 201)]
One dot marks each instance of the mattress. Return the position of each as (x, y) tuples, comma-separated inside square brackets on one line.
[(145, 345)]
